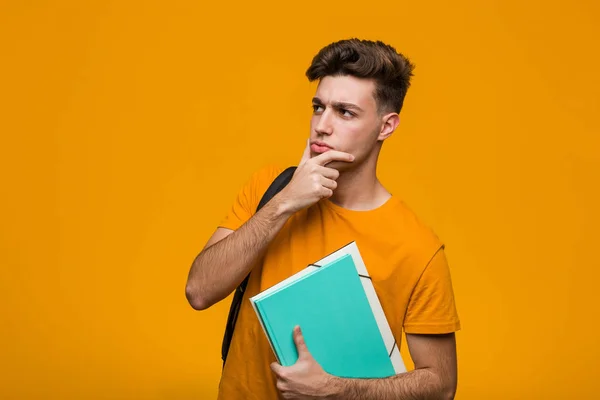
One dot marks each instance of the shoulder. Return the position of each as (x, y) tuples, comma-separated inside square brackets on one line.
[(417, 237)]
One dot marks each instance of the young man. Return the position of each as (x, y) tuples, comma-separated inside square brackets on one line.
[(333, 198)]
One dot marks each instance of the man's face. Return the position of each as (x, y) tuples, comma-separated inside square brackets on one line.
[(345, 118)]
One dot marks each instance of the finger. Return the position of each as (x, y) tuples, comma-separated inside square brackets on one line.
[(325, 193), (328, 183), (306, 154), (300, 344), (277, 369), (330, 173), (332, 155), (282, 387)]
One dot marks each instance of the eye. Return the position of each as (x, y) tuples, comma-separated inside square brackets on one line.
[(346, 113), (317, 108)]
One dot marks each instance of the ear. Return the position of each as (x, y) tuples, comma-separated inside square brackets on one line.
[(389, 125)]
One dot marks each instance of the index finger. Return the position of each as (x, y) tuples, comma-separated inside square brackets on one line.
[(332, 155), (306, 154)]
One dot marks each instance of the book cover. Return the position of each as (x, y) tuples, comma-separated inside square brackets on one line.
[(343, 324)]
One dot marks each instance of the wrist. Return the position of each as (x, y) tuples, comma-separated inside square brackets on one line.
[(336, 388), (283, 207)]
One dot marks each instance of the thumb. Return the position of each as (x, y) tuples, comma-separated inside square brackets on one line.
[(306, 154), (277, 368), (303, 352)]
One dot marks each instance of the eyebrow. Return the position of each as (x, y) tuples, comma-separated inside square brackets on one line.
[(339, 104)]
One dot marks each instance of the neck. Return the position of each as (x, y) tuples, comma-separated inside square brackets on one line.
[(359, 189)]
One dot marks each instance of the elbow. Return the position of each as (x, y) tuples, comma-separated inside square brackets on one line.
[(448, 392), (445, 386), (196, 300)]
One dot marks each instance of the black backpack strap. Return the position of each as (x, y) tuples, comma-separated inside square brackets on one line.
[(279, 183)]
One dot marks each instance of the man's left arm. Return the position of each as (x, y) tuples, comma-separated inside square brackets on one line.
[(429, 324), (434, 376)]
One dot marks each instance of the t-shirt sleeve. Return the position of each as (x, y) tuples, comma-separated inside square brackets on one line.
[(432, 308), (248, 197)]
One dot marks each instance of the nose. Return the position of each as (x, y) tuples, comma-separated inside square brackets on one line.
[(324, 124)]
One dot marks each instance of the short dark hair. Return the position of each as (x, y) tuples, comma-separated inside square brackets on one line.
[(367, 59)]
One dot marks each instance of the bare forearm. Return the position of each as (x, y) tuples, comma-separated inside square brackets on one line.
[(218, 269), (420, 384)]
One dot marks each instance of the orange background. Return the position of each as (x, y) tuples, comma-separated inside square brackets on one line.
[(128, 127)]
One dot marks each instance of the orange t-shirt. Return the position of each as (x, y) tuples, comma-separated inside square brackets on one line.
[(404, 257)]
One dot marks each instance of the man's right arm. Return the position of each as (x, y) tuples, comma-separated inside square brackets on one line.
[(230, 255)]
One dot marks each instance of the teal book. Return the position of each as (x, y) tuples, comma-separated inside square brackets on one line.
[(338, 321)]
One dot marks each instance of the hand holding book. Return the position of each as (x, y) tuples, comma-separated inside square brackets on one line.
[(306, 377)]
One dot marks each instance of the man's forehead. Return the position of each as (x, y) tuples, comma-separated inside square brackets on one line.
[(346, 89)]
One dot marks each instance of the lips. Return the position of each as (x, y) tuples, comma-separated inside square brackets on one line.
[(320, 147), (322, 144)]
